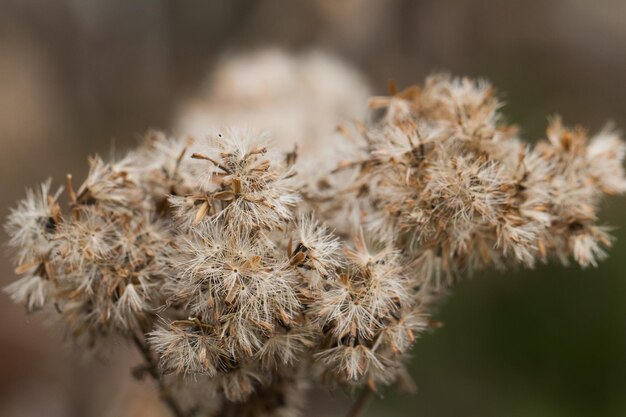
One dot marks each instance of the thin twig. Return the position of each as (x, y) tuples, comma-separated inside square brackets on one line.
[(153, 369), (213, 161), (360, 404)]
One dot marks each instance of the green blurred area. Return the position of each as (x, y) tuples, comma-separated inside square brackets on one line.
[(543, 343), (547, 343)]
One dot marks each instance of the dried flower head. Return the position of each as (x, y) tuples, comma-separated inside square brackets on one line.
[(32, 226), (367, 316), (249, 271), (446, 179)]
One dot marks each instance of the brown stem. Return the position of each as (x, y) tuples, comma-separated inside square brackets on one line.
[(272, 399), (153, 369), (360, 404)]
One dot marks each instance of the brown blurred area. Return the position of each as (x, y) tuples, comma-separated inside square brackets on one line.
[(82, 76)]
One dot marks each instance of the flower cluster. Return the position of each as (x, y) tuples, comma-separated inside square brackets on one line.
[(368, 318), (102, 263), (236, 282), (445, 179), (230, 266)]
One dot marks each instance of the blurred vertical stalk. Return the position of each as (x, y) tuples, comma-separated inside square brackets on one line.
[(152, 368), (360, 405)]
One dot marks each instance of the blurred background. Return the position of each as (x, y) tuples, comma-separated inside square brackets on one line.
[(78, 76)]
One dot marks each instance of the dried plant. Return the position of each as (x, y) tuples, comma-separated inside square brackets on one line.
[(232, 272)]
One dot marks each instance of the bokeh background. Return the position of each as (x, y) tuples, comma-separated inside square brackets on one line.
[(77, 76)]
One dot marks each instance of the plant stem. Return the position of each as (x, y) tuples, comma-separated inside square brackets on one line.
[(153, 369), (361, 402), (270, 400)]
